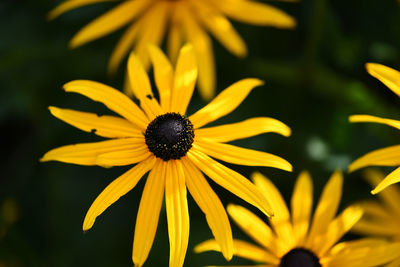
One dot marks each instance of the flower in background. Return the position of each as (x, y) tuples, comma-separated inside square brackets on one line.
[(389, 156), (381, 219), (159, 138), (293, 240), (184, 20)]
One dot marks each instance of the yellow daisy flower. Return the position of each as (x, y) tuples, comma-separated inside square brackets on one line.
[(389, 156), (293, 240), (159, 138), (181, 21), (381, 219)]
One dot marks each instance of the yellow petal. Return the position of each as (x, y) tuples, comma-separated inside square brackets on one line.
[(394, 263), (204, 52), (376, 228), (337, 228), (148, 214), (256, 13), (212, 207), (88, 153), (106, 126), (113, 99), (184, 80), (241, 156), (163, 75), (392, 178), (230, 180), (175, 38), (368, 118), (141, 87), (225, 102), (389, 156), (390, 77), (244, 129), (253, 226), (281, 220), (128, 156), (109, 22), (221, 28), (326, 208), (71, 4), (243, 249), (177, 212), (301, 206), (115, 190)]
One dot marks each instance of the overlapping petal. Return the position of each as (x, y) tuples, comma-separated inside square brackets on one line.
[(390, 77)]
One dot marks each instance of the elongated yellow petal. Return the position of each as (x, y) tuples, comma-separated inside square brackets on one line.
[(230, 180), (185, 80), (140, 85), (106, 126), (392, 178), (109, 22), (376, 228), (128, 156), (115, 190), (326, 208), (212, 207), (337, 228), (177, 212), (301, 206), (368, 118), (204, 52), (242, 156), (389, 156), (149, 212), (71, 4), (225, 102), (281, 220), (156, 20), (390, 77), (244, 129), (243, 249), (256, 13), (113, 99), (88, 153), (163, 76), (394, 263), (175, 38), (253, 226), (221, 28)]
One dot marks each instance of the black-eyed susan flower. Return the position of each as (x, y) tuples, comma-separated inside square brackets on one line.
[(149, 21), (159, 138), (381, 218), (389, 156), (295, 240)]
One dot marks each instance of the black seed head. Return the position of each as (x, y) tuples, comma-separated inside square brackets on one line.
[(169, 136), (300, 257)]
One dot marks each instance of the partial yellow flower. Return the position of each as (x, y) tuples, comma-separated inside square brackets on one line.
[(381, 218), (389, 156), (293, 240), (149, 21), (159, 138)]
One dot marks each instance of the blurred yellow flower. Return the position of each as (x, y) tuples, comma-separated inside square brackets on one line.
[(173, 147), (181, 21), (389, 156), (381, 219), (295, 240)]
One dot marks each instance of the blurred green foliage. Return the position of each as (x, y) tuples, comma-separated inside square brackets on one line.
[(315, 78)]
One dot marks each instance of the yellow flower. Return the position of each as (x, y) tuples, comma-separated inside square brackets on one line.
[(381, 219), (181, 21), (295, 240), (174, 148), (389, 156)]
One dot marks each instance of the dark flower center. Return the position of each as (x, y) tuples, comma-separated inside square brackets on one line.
[(300, 257), (169, 136)]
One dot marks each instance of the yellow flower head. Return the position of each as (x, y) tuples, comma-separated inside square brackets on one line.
[(389, 156), (159, 137), (381, 219), (181, 21), (295, 239)]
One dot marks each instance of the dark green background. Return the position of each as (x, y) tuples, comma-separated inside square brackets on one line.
[(315, 78)]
